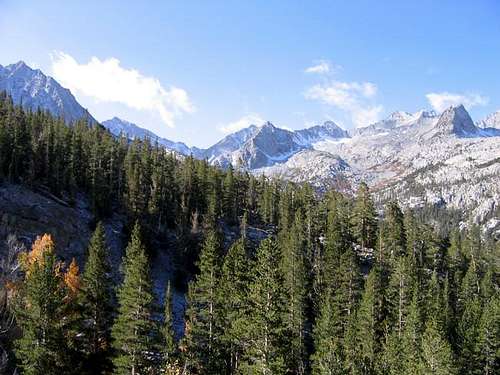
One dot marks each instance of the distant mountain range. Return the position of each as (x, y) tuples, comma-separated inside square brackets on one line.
[(419, 158), (118, 127), (34, 90)]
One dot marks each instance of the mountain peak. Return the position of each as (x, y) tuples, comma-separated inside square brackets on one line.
[(34, 90), (399, 116), (120, 120), (268, 125), (456, 121), (21, 64), (18, 68), (425, 114), (490, 121), (118, 126), (330, 125)]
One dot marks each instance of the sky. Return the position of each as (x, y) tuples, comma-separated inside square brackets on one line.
[(194, 71)]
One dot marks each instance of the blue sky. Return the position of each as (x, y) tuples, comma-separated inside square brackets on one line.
[(192, 70)]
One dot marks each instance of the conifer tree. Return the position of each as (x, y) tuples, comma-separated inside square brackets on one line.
[(293, 263), (41, 313), (337, 242), (488, 343), (391, 361), (435, 303), (352, 356), (328, 358), (411, 337), (437, 356), (97, 303), (468, 336), (349, 285), (394, 231), (415, 247), (203, 311), (399, 294), (266, 329), (367, 324), (364, 218), (229, 198), (134, 328), (233, 297)]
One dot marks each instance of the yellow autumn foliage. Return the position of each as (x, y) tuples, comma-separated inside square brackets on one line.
[(42, 246), (72, 277)]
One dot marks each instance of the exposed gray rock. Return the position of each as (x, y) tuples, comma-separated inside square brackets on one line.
[(33, 90)]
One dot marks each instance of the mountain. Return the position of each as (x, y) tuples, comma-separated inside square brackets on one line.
[(118, 127), (329, 130), (266, 145), (456, 121), (257, 147), (421, 158), (33, 89), (491, 121), (396, 120), (230, 143)]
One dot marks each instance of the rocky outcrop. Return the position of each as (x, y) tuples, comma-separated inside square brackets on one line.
[(28, 214)]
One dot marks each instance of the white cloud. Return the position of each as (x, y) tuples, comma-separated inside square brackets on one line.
[(107, 81), (244, 122), (355, 98), (441, 101), (322, 67), (364, 116)]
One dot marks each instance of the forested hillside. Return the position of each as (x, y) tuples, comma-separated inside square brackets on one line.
[(336, 287)]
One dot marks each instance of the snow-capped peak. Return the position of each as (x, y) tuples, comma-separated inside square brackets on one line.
[(456, 121), (400, 116), (328, 130), (491, 121), (34, 90), (117, 126)]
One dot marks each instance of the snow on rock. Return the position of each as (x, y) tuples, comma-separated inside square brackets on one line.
[(490, 121), (118, 127), (35, 90)]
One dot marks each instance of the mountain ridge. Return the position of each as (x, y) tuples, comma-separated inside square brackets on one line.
[(421, 158), (32, 89), (118, 126)]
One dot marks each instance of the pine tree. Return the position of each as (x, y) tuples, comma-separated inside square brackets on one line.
[(415, 246), (488, 343), (97, 303), (134, 329), (337, 242), (391, 361), (229, 198), (399, 293), (203, 311), (349, 285), (233, 299), (352, 355), (367, 324), (437, 357), (411, 338), (364, 218), (468, 335), (436, 303), (41, 313), (394, 231), (295, 282), (327, 358), (266, 329)]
